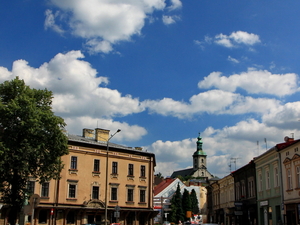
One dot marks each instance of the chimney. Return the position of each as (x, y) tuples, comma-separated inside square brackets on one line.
[(138, 148), (101, 134), (288, 139), (88, 133)]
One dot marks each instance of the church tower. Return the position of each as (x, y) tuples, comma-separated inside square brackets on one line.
[(199, 156), (199, 169)]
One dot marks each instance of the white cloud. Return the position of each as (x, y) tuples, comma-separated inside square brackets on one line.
[(50, 22), (128, 132), (167, 20), (254, 82), (104, 23), (242, 141), (175, 4), (233, 60), (223, 40), (235, 39), (242, 37), (286, 116), (213, 102), (78, 91)]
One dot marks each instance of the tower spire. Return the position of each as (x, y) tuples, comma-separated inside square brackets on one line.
[(199, 143)]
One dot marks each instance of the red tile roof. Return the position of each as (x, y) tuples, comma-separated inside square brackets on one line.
[(286, 144), (162, 185)]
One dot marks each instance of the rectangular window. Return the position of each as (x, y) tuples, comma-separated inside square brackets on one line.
[(114, 194), (260, 182), (115, 167), (267, 179), (289, 180), (73, 163), (130, 170), (243, 189), (143, 171), (298, 176), (142, 195), (96, 165), (130, 195), (45, 190), (95, 194), (237, 190), (30, 187), (72, 190), (276, 177)]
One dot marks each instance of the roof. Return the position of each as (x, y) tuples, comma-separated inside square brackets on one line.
[(79, 140), (163, 185), (286, 144), (183, 173)]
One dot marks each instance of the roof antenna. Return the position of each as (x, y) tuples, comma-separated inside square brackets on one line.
[(266, 143)]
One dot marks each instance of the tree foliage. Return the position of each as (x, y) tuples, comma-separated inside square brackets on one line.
[(194, 202), (176, 207), (186, 202), (31, 141)]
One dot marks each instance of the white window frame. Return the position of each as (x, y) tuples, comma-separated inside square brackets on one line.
[(114, 185), (92, 192), (76, 188)]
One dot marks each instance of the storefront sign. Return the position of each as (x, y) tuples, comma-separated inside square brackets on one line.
[(263, 203)]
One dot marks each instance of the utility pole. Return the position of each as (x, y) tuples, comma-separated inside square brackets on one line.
[(234, 161)]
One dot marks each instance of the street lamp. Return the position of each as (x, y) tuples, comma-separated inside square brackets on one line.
[(106, 173)]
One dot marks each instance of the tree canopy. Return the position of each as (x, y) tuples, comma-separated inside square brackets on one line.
[(186, 202), (194, 202), (31, 141), (176, 207)]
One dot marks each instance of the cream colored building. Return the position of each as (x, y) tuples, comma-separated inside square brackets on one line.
[(290, 167), (79, 196), (227, 198)]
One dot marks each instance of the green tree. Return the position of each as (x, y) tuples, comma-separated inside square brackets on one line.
[(176, 206), (194, 202), (31, 141), (159, 175), (186, 203)]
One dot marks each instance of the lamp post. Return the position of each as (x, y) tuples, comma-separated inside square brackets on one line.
[(106, 173)]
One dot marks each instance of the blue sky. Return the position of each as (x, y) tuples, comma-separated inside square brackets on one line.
[(162, 71)]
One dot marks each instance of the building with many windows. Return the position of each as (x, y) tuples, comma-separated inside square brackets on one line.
[(289, 153), (268, 187), (79, 196)]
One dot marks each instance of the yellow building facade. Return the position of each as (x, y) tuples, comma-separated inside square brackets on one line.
[(79, 196)]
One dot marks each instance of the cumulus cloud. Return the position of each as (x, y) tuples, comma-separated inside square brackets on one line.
[(82, 97), (129, 132), (254, 82), (105, 23), (175, 4), (286, 116), (167, 20), (236, 38), (242, 141), (79, 93), (213, 102)]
